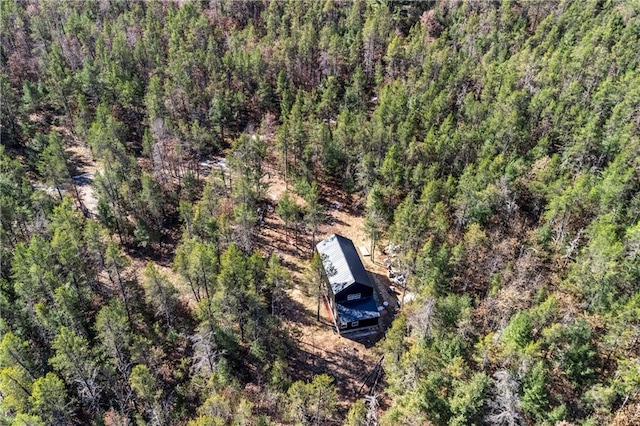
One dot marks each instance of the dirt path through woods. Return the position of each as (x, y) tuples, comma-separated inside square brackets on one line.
[(83, 169), (83, 175)]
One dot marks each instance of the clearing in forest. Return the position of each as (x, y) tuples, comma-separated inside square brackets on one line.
[(83, 169), (319, 348)]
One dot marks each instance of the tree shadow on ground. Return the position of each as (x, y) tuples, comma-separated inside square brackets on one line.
[(77, 163), (332, 220), (273, 234), (297, 313), (350, 370), (367, 340)]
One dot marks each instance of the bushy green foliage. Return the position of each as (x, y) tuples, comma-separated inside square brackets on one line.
[(313, 402)]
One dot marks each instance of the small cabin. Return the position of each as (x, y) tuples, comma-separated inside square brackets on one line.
[(349, 291)]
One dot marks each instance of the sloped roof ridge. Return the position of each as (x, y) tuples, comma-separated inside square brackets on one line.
[(342, 263)]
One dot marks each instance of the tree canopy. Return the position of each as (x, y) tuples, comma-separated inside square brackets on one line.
[(495, 143)]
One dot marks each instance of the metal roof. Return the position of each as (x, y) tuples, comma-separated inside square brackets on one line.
[(357, 310), (342, 263)]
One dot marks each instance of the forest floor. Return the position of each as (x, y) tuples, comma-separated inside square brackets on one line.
[(320, 349), (83, 170), (83, 176)]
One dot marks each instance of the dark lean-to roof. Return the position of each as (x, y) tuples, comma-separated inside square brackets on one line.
[(358, 310), (342, 263)]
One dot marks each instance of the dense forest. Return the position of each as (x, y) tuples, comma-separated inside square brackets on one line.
[(496, 143)]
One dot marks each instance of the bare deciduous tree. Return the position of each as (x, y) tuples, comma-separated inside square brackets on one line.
[(422, 318), (205, 351), (504, 405)]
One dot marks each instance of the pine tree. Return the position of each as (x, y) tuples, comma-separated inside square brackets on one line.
[(75, 361), (160, 293)]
